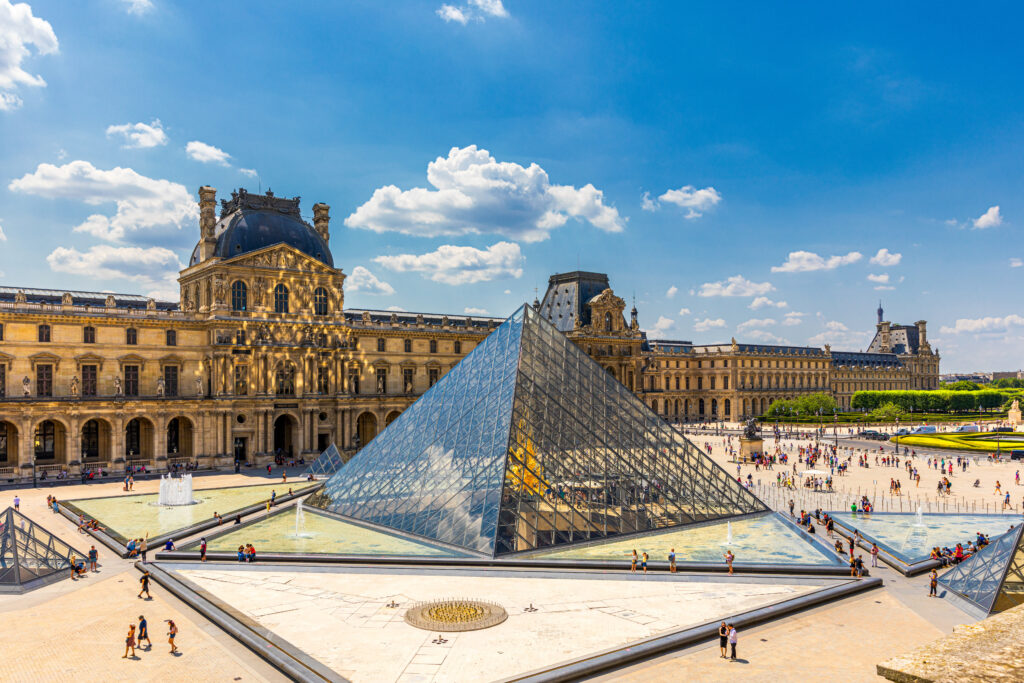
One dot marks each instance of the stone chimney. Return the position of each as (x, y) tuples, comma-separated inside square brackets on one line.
[(322, 219), (207, 221), (886, 342), (922, 336)]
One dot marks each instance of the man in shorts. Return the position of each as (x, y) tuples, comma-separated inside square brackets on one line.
[(145, 585), (94, 556), (143, 632)]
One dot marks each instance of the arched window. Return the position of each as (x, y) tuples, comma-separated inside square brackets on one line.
[(280, 299), (607, 322), (239, 296), (45, 440), (285, 379), (91, 439), (320, 301)]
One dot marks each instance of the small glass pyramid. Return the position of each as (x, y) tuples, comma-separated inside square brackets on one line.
[(528, 443), (29, 553), (326, 464), (992, 578)]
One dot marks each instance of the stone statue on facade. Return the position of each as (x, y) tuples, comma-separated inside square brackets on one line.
[(66, 299), (218, 289), (159, 386), (26, 385), (263, 334), (259, 286), (199, 386), (118, 390), (74, 386), (20, 297), (751, 431), (110, 301)]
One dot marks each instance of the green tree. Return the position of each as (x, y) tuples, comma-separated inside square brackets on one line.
[(887, 412), (1008, 383), (962, 385)]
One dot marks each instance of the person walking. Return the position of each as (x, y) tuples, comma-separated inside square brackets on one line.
[(933, 584), (94, 556), (643, 562), (144, 581), (145, 546), (723, 640), (733, 641), (874, 555), (172, 631), (202, 549), (144, 632), (632, 564), (129, 642), (672, 561), (729, 557), (17, 503)]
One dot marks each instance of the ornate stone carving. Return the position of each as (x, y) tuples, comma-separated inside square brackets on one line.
[(74, 386), (66, 299), (444, 321), (241, 199), (20, 297), (110, 301), (263, 333), (26, 386), (366, 317), (218, 289), (419, 318), (259, 291), (159, 386), (199, 386), (118, 390), (151, 304), (394, 318)]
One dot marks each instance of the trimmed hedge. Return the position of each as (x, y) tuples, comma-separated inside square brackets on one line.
[(984, 441), (940, 401)]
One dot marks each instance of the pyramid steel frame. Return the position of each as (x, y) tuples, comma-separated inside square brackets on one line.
[(528, 443), (29, 554), (326, 464), (993, 578)]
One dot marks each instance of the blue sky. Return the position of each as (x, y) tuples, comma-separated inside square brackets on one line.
[(742, 170)]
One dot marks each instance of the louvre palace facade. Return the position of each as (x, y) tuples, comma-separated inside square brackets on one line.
[(261, 357)]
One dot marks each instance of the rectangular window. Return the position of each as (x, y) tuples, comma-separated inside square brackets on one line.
[(433, 346), (353, 383), (44, 380), (131, 336), (677, 383), (241, 380), (712, 380), (381, 342), (3, 441), (3, 380), (700, 383), (89, 335), (172, 338), (725, 382), (323, 382), (131, 380), (687, 383), (88, 380), (44, 333), (382, 380), (407, 380), (431, 376), (171, 380), (407, 345), (1, 332), (458, 347)]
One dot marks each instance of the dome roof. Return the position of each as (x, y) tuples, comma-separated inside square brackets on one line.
[(244, 231)]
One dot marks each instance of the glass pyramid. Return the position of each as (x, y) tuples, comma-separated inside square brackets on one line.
[(29, 553), (992, 578), (528, 443), (326, 464)]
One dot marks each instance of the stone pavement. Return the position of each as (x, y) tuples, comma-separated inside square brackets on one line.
[(75, 629)]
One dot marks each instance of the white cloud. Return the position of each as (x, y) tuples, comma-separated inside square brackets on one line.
[(396, 309), (153, 267), (792, 319), (672, 291), (882, 278), (684, 311), (989, 219), (707, 324), (476, 10), (660, 328), (251, 172), (986, 324), (755, 322), (508, 291), (142, 203), (472, 310), (140, 135), (762, 301), (452, 13), (475, 194), (455, 265), (737, 285), (688, 197), (207, 154), (137, 6), (362, 280), (19, 29), (766, 336), (836, 335), (3, 237), (885, 258), (884, 288), (1016, 263), (806, 261), (835, 326)]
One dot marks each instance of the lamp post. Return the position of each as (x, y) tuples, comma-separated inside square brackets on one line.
[(897, 435), (38, 443), (835, 428)]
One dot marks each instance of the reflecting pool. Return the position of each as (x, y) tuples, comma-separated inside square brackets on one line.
[(138, 515), (762, 539), (320, 534), (910, 537)]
